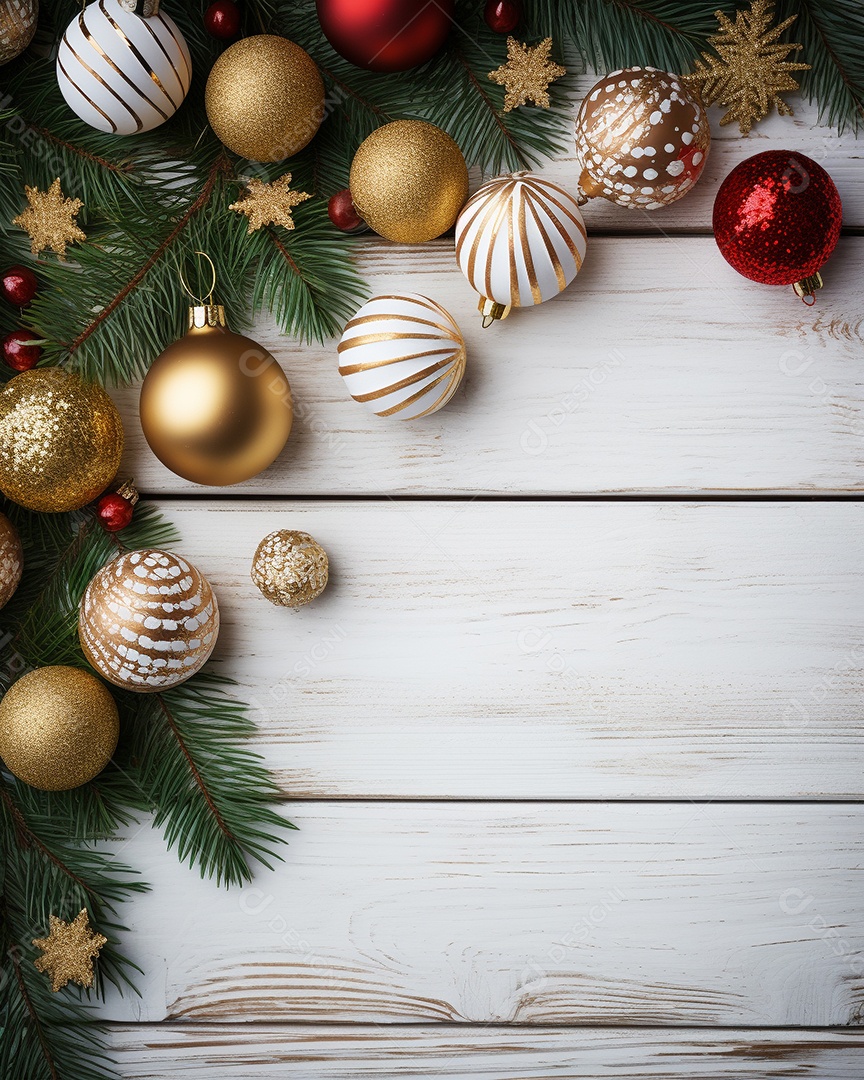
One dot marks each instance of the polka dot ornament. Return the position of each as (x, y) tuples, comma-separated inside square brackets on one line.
[(641, 139), (148, 621)]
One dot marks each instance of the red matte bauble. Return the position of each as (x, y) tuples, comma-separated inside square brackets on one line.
[(222, 20), (777, 217), (386, 35), (17, 353), (114, 512), (19, 285), (502, 16), (341, 211)]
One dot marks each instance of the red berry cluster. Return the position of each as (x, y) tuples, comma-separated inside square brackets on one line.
[(19, 285)]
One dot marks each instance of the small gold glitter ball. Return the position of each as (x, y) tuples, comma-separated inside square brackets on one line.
[(60, 440), (58, 728), (265, 98), (290, 568), (409, 181), (11, 560)]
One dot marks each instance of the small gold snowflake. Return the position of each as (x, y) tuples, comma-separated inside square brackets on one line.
[(527, 74), (69, 950), (49, 220), (269, 204), (750, 69)]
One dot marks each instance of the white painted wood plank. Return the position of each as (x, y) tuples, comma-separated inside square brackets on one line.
[(660, 370), (622, 914), (357, 1052), (551, 650)]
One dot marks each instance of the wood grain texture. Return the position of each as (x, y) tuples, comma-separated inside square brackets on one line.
[(583, 913), (551, 650), (421, 1052)]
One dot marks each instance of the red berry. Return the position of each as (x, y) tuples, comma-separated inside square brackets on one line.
[(114, 512), (222, 20), (19, 285), (502, 16), (18, 353), (342, 213)]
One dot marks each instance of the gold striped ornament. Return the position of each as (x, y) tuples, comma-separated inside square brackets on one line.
[(402, 355), (148, 621), (120, 72), (520, 240), (18, 20)]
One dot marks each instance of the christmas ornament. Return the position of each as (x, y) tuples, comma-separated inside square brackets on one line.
[(641, 139), (49, 220), (402, 355), (749, 70), (777, 219), (409, 181), (58, 728), (115, 508), (386, 35), (340, 210), (222, 20), (69, 951), (265, 98), (269, 204), (502, 16), (519, 240), (527, 74), (148, 621), (60, 440), (19, 285), (18, 352), (290, 568), (11, 560), (120, 72), (18, 20)]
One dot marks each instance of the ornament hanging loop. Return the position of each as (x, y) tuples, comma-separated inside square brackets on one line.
[(806, 288), (145, 8), (207, 299)]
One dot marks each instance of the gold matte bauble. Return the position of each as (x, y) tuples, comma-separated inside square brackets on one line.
[(60, 440), (215, 406), (148, 620), (409, 181), (290, 568), (265, 98), (58, 728), (11, 560), (18, 20)]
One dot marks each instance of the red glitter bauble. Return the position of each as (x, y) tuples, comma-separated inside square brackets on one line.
[(340, 208), (19, 285), (502, 16), (777, 217), (222, 20), (114, 512), (386, 35), (17, 353)]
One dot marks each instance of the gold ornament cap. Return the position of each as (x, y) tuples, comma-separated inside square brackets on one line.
[(204, 315), (806, 288), (492, 311)]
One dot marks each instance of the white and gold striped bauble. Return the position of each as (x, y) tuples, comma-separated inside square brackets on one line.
[(18, 20), (520, 240), (120, 72), (148, 621), (402, 355)]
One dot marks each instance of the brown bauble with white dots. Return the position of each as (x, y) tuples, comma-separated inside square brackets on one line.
[(148, 621), (642, 138), (11, 560)]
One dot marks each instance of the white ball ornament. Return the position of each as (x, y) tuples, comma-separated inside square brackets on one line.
[(402, 355), (520, 240), (120, 72)]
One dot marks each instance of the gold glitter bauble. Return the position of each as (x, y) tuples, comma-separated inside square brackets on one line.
[(58, 728), (69, 951), (148, 621), (409, 181), (642, 138), (18, 20), (11, 560), (265, 98), (60, 440), (215, 406), (290, 568)]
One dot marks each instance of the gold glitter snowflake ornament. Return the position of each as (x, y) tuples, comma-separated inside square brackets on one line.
[(69, 951), (49, 220), (527, 74), (750, 68), (269, 204)]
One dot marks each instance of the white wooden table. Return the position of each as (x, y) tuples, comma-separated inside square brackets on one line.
[(573, 739)]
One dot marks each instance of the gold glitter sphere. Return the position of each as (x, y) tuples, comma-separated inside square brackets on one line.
[(60, 440), (11, 560), (290, 568), (58, 728), (148, 621), (265, 98), (409, 181)]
